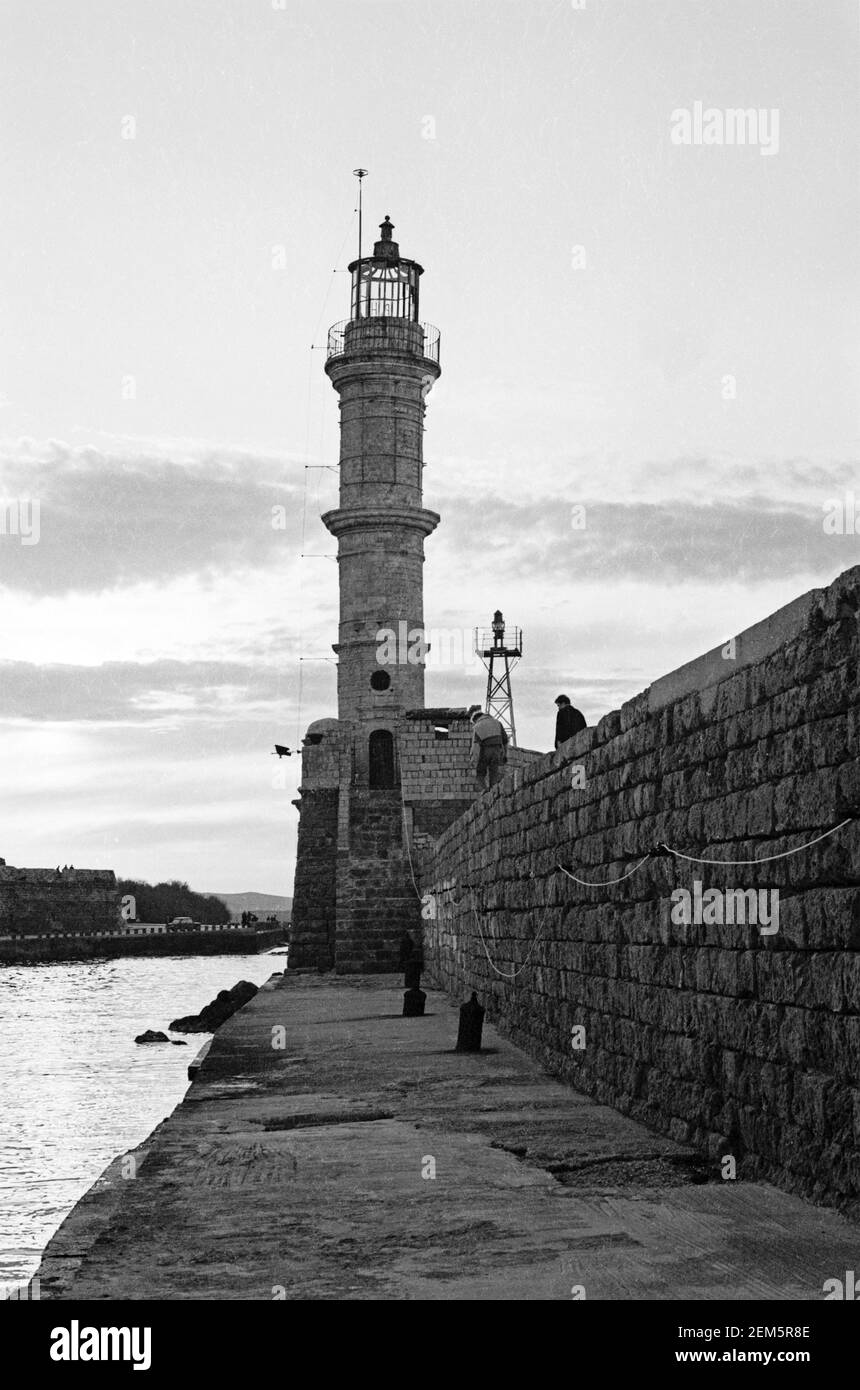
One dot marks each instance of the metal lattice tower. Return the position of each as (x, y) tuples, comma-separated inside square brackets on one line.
[(500, 658)]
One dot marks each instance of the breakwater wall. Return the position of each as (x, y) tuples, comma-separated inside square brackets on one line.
[(688, 1014), (20, 950)]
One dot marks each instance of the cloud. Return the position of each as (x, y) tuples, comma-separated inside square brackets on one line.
[(140, 692), (617, 477), (129, 514), (112, 519), (752, 539)]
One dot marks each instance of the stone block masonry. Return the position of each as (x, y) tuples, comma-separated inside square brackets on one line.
[(315, 883), (376, 899), (354, 893), (740, 1043), (439, 782), (434, 756)]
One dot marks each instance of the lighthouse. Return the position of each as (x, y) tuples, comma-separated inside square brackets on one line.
[(355, 892), (386, 777), (382, 362)]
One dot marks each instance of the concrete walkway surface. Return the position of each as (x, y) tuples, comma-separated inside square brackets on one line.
[(300, 1165)]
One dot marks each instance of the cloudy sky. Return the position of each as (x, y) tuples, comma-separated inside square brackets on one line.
[(663, 334)]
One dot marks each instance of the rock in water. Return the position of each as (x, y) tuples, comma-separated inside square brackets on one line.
[(150, 1037), (189, 1023), (223, 1006)]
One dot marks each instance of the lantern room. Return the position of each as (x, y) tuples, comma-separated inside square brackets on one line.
[(384, 285)]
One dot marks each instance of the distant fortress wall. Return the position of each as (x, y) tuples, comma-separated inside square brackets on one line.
[(46, 901)]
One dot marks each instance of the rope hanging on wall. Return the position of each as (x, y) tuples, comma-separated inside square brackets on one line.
[(605, 883), (661, 849), (409, 853), (694, 859), (767, 858), (507, 974)]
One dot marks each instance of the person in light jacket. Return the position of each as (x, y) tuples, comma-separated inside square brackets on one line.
[(489, 748)]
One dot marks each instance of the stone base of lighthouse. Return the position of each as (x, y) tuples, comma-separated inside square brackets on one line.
[(353, 897), (361, 850)]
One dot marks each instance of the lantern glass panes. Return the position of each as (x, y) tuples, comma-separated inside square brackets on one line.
[(382, 290)]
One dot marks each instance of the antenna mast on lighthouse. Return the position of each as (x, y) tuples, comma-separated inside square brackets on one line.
[(360, 174)]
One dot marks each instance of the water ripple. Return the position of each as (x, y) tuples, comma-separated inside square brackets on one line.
[(77, 1090)]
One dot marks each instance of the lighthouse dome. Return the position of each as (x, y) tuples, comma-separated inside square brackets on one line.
[(319, 728)]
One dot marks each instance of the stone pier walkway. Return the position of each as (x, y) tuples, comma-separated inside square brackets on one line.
[(303, 1171)]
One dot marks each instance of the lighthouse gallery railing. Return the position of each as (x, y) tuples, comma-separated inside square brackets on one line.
[(399, 336)]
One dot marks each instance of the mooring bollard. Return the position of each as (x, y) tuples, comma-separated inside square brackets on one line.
[(413, 1003), (471, 1024)]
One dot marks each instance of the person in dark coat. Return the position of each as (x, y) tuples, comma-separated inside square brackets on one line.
[(568, 721)]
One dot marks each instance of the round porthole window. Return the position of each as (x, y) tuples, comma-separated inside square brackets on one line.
[(380, 680)]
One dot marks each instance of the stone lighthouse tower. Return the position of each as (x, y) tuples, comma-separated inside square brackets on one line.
[(354, 893), (381, 363)]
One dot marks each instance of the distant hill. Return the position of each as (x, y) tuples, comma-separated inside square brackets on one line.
[(255, 902)]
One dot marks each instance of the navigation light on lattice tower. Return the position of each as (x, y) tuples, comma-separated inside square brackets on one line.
[(500, 657)]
